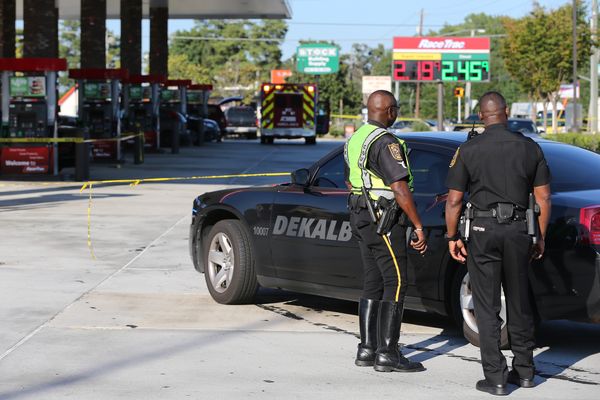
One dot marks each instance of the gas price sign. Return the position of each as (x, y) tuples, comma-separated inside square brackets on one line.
[(447, 59)]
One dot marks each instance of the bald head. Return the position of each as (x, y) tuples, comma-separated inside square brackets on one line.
[(382, 107), (492, 108)]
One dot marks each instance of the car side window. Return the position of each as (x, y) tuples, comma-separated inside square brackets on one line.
[(331, 174), (429, 171)]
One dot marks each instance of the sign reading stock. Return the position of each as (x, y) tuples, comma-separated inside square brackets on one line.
[(318, 59)]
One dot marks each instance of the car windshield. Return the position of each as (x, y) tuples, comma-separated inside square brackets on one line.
[(244, 112), (571, 167), (522, 126)]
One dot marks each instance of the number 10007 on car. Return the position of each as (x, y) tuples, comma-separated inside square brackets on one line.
[(445, 70)]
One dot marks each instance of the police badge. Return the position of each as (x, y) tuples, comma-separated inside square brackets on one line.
[(395, 151)]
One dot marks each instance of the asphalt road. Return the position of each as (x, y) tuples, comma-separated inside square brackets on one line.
[(137, 321)]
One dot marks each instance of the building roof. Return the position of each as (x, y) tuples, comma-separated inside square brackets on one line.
[(187, 9)]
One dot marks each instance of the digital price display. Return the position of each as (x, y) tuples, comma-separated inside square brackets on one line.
[(422, 59)]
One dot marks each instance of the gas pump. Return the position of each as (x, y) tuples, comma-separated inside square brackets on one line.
[(99, 107), (173, 113), (29, 109), (197, 108), (143, 106)]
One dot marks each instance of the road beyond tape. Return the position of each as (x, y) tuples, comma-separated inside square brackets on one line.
[(134, 182)]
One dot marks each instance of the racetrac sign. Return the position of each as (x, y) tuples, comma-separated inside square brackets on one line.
[(425, 59)]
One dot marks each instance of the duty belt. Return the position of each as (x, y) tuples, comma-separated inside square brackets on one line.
[(493, 213), (357, 201)]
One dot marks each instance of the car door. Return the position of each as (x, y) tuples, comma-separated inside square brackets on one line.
[(310, 230), (429, 164)]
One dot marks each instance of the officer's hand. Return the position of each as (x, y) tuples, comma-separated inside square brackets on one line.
[(458, 251), (421, 243), (538, 249)]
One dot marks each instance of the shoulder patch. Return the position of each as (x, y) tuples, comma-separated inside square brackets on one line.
[(454, 158), (394, 149)]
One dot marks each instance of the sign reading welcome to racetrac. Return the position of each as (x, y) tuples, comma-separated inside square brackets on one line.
[(318, 59)]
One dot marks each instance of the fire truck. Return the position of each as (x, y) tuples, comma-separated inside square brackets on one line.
[(290, 111)]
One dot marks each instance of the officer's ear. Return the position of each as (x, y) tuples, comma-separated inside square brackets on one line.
[(506, 111)]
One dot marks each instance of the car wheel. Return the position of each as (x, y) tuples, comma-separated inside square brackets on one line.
[(263, 140), (251, 135), (229, 263), (463, 310), (310, 140)]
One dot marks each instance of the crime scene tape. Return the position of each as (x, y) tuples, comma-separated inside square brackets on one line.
[(67, 139), (134, 182), (346, 116)]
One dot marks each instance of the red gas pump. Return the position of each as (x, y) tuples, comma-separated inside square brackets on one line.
[(99, 109), (29, 110), (142, 104), (173, 114)]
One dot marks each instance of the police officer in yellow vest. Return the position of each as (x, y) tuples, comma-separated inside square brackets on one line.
[(377, 166)]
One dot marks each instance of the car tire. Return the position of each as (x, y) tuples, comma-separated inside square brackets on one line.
[(462, 308), (263, 140), (251, 135), (310, 140), (229, 263)]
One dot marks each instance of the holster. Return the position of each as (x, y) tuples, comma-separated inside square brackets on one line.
[(389, 212)]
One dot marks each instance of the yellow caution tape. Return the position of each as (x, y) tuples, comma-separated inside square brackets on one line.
[(346, 116), (135, 182), (67, 139)]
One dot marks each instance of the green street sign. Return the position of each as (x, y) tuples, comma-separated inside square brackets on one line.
[(317, 59)]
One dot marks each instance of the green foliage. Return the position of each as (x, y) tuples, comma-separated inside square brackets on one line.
[(419, 126), (539, 51), (235, 66), (586, 141)]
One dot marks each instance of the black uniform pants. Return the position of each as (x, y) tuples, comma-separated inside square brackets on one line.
[(499, 253), (383, 258)]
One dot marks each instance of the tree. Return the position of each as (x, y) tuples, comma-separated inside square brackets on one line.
[(239, 63), (538, 51)]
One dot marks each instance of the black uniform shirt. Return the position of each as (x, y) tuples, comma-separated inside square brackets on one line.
[(386, 158), (498, 166)]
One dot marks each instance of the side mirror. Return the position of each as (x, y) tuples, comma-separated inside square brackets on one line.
[(301, 177)]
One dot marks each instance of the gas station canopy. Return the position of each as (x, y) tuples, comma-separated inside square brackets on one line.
[(187, 9)]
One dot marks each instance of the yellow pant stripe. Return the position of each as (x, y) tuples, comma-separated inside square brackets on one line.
[(389, 245)]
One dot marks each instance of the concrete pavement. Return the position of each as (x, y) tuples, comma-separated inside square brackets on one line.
[(138, 322)]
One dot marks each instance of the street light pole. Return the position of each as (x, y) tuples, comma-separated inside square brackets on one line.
[(575, 124), (593, 124), (468, 83)]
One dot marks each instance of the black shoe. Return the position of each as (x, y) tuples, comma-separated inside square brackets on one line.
[(388, 357), (367, 319), (515, 379), (497, 390)]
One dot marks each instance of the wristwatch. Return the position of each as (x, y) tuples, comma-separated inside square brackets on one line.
[(452, 238)]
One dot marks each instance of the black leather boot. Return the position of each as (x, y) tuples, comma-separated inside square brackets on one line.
[(367, 320), (388, 356)]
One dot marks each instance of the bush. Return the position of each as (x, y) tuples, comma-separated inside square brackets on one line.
[(419, 126), (586, 141)]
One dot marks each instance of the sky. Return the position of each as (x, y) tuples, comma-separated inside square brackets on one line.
[(373, 21)]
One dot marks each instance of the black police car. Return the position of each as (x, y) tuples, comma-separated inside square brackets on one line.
[(296, 236)]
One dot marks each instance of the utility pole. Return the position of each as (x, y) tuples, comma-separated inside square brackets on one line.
[(418, 91), (593, 124), (468, 90), (575, 124)]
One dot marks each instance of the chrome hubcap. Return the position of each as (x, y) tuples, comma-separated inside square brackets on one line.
[(221, 262), (467, 308)]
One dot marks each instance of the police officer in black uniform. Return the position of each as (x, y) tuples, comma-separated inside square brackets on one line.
[(499, 169), (377, 165)]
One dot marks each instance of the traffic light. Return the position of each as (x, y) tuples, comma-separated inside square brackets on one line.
[(459, 92)]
